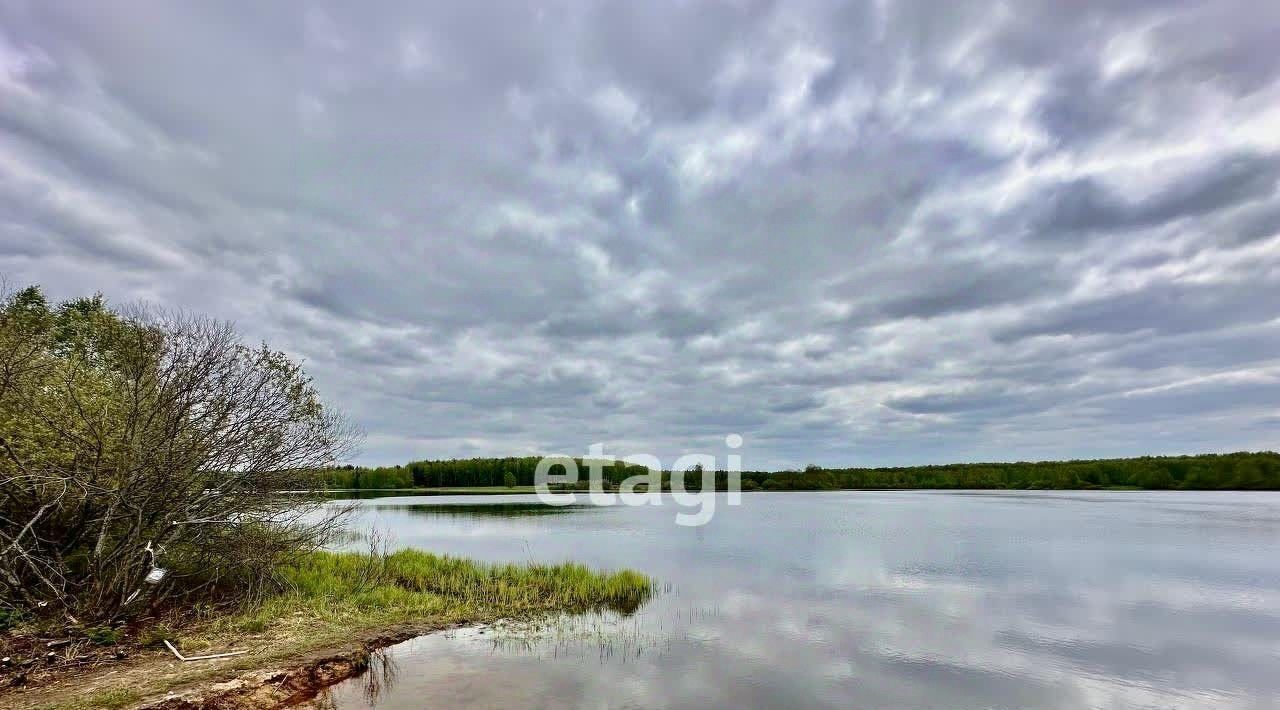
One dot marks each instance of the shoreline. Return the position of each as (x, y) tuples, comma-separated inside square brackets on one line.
[(333, 611), (156, 680), (300, 681)]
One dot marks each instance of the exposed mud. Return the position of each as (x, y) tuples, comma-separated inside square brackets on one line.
[(282, 680), (292, 685)]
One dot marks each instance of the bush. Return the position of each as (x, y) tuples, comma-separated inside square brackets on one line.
[(149, 439)]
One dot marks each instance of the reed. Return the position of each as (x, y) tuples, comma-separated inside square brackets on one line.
[(336, 587)]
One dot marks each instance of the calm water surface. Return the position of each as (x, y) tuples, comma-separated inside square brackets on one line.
[(866, 599)]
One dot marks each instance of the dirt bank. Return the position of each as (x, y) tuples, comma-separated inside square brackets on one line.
[(155, 680), (290, 685)]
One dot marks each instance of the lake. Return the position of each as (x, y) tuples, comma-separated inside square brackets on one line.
[(919, 599)]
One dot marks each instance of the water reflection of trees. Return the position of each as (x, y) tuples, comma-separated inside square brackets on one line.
[(381, 676), (486, 510), (376, 681)]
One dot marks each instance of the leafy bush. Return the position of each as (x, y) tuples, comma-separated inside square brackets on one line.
[(149, 439)]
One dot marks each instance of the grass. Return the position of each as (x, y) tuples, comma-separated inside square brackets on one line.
[(329, 599), (339, 586), (104, 700)]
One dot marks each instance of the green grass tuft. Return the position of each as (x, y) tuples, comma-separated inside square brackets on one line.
[(411, 578), (355, 590)]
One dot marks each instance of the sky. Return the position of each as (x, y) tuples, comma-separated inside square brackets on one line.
[(854, 234)]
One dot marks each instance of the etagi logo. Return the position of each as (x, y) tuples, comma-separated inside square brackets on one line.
[(704, 499)]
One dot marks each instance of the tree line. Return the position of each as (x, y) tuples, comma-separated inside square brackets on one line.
[(1233, 471), (460, 473)]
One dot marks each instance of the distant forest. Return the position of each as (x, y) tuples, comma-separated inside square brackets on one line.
[(1237, 471)]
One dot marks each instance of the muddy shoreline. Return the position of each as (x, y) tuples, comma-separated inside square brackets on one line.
[(295, 682), (237, 682)]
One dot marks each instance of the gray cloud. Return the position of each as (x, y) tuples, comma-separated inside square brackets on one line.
[(1084, 206), (853, 233), (1162, 307)]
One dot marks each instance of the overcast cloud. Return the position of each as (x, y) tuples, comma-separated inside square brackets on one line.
[(874, 233)]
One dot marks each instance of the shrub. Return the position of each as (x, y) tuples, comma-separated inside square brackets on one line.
[(149, 439)]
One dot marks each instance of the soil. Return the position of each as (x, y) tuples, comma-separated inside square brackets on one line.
[(264, 681)]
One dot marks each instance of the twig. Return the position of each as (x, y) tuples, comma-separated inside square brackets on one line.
[(184, 659)]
